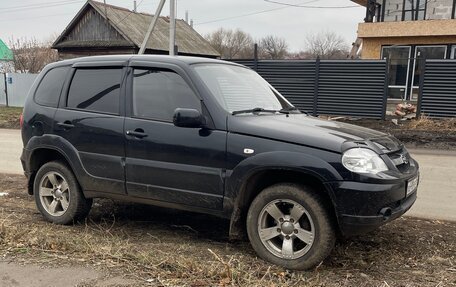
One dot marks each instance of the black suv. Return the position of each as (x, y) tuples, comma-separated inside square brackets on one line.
[(213, 137)]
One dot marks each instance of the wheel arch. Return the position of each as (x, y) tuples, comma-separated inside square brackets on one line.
[(42, 155), (258, 180)]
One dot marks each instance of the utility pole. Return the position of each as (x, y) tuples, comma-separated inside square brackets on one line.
[(151, 27), (172, 27), (135, 6)]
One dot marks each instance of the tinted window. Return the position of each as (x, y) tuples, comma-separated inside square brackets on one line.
[(157, 93), (48, 91), (95, 90)]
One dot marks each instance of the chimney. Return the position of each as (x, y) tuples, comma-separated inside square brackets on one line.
[(191, 23), (134, 6), (186, 16)]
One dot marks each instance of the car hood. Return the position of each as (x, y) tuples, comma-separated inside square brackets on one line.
[(310, 131)]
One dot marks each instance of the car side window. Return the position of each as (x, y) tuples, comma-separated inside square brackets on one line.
[(50, 87), (95, 90), (157, 93)]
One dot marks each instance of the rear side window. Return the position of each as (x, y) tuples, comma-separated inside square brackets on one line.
[(48, 91), (95, 90), (157, 93)]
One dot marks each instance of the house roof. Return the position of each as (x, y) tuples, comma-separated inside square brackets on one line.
[(360, 2), (5, 53), (133, 27)]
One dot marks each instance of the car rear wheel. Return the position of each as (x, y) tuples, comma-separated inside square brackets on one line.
[(58, 196), (288, 225)]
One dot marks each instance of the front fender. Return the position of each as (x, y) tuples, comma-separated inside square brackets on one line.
[(279, 160)]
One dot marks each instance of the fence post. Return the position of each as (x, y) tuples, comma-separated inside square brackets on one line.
[(6, 88), (316, 85), (255, 57), (385, 90), (420, 93)]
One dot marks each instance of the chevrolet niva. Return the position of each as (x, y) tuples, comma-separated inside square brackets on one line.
[(213, 137)]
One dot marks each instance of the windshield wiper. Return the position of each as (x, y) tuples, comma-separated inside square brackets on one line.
[(253, 111), (290, 109), (261, 110)]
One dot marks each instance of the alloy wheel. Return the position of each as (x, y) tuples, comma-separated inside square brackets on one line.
[(286, 229), (54, 193)]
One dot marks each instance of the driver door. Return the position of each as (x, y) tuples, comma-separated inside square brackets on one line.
[(166, 163)]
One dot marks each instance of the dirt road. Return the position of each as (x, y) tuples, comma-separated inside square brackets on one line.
[(10, 151), (437, 192)]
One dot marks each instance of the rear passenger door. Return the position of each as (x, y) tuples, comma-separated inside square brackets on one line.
[(168, 163), (91, 119)]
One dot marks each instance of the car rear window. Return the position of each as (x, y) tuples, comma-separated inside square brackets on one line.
[(95, 90), (50, 87)]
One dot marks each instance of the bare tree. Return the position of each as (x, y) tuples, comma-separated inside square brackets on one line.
[(30, 56), (273, 47), (232, 44), (327, 45)]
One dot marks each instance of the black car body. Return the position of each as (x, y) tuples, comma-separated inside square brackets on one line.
[(203, 157)]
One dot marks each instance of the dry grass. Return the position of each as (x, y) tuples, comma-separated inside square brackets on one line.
[(171, 248), (426, 123), (417, 133), (9, 117)]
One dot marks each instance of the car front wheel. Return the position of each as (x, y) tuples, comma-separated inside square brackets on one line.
[(288, 225)]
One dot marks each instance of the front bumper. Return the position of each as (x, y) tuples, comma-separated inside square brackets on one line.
[(363, 207), (353, 224)]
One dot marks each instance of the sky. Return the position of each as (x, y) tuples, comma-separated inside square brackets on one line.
[(44, 20)]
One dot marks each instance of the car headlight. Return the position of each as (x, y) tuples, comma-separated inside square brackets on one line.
[(363, 160)]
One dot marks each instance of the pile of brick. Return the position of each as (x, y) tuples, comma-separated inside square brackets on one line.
[(406, 110)]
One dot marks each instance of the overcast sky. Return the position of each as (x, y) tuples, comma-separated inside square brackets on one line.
[(40, 19)]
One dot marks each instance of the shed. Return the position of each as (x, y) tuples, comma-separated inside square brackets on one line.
[(100, 29)]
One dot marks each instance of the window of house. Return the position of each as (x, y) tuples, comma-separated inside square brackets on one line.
[(95, 90), (424, 52), (157, 93), (48, 92), (453, 52), (414, 10), (398, 68)]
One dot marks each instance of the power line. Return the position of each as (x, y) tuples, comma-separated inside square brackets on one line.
[(249, 14), (312, 7), (129, 14), (37, 6), (37, 17)]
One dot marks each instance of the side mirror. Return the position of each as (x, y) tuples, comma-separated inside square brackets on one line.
[(188, 118)]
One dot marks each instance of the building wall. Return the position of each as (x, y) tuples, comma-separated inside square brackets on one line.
[(372, 47), (439, 9), (393, 10), (436, 9), (407, 28)]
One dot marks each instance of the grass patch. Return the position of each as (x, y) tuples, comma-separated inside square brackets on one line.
[(9, 117), (416, 133), (172, 248), (428, 124)]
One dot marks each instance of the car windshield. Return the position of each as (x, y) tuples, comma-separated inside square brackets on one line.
[(240, 89)]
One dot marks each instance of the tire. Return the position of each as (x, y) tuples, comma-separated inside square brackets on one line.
[(294, 244), (58, 196)]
